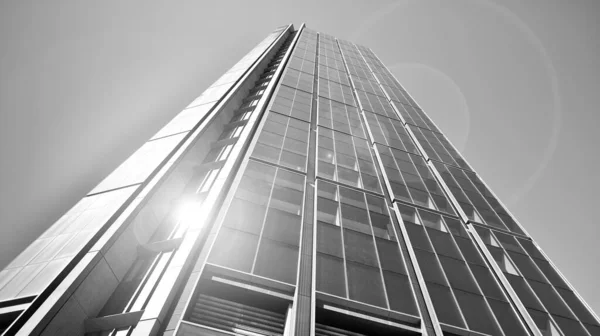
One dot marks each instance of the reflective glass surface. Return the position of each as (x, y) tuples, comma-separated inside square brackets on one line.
[(346, 159), (261, 230), (356, 238)]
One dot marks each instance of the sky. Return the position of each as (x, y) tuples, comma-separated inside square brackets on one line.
[(513, 84)]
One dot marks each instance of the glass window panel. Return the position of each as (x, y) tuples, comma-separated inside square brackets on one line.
[(277, 261), (418, 238), (382, 226), (283, 226), (140, 164), (364, 284), (543, 322), (19, 281), (456, 227), (477, 314), (7, 274), (532, 249), (46, 275), (352, 197), (330, 275), (293, 160), (355, 218), (234, 249), (390, 257), (550, 299), (327, 211), (348, 176), (245, 216), (508, 242), (432, 220), (508, 320), (486, 282), (266, 152), (408, 214), (569, 327), (430, 267), (443, 244), (287, 199), (526, 266), (30, 252), (327, 190), (458, 274), (550, 273), (360, 248), (592, 329), (75, 244), (399, 293), (577, 306), (469, 250), (523, 292), (445, 306), (329, 239)]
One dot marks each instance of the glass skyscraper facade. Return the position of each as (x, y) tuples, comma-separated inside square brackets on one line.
[(303, 193)]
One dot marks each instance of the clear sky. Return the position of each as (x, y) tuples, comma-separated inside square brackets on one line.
[(514, 85)]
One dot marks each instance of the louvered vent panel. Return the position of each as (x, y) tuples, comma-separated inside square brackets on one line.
[(235, 317), (324, 330)]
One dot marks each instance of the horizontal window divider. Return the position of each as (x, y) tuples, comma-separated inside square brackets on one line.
[(346, 133), (401, 202), (337, 101), (366, 311), (296, 88), (110, 322), (277, 165), (449, 164), (369, 192), (252, 279), (493, 228), (253, 288), (160, 246), (460, 331), (291, 117)]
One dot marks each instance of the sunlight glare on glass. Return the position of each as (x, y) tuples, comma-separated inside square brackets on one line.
[(191, 213)]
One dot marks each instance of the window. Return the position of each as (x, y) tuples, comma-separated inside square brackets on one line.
[(364, 284), (445, 306), (346, 159), (330, 275), (283, 141), (277, 261), (234, 249), (476, 312)]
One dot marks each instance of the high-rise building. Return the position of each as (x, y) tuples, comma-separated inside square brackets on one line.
[(303, 193)]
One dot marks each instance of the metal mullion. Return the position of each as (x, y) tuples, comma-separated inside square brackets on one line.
[(505, 283), (431, 321), (339, 219), (429, 308), (548, 282), (475, 279), (435, 323), (262, 227), (387, 301), (236, 167), (464, 320)]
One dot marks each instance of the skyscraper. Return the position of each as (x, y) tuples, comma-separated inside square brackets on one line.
[(303, 193)]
